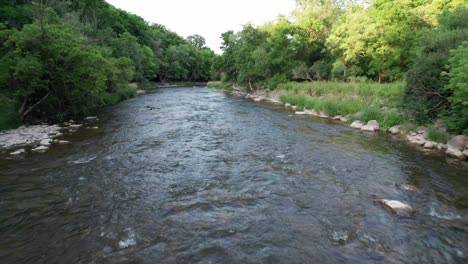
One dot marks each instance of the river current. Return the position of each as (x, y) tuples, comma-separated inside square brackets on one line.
[(192, 175)]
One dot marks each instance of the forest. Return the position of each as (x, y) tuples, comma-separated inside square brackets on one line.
[(66, 57), (419, 45)]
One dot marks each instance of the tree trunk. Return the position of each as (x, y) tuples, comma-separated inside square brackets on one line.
[(23, 114)]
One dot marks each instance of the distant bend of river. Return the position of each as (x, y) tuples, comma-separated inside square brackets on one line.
[(209, 178)]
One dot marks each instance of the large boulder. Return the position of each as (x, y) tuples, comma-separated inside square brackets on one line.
[(465, 153), (357, 124), (396, 207), (458, 142), (372, 126), (456, 153)]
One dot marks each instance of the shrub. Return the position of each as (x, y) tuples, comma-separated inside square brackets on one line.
[(391, 118), (436, 135), (276, 80)]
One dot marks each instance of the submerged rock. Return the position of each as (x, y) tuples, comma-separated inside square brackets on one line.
[(395, 130), (18, 152), (40, 149), (396, 207), (410, 187), (357, 124)]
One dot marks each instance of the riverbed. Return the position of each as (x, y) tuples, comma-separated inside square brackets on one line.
[(192, 175)]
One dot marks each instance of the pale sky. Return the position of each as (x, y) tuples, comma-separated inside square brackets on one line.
[(208, 18)]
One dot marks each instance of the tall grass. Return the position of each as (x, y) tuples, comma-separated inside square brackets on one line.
[(436, 135)]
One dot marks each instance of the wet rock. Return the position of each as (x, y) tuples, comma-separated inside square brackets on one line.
[(311, 112), (458, 142), (441, 146), (395, 130), (257, 99), (344, 119), (300, 113), (413, 134), (40, 149), (410, 187), (46, 142), (287, 105), (465, 152), (418, 139), (396, 207), (357, 124), (91, 118), (372, 126), (294, 107), (430, 145), (456, 153), (57, 135), (63, 142), (94, 127), (26, 135), (75, 126), (18, 152), (338, 117), (323, 115)]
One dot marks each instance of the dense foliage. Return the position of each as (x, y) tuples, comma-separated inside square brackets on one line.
[(345, 40), (66, 57)]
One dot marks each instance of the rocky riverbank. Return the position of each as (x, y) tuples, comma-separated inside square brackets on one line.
[(40, 138), (455, 147)]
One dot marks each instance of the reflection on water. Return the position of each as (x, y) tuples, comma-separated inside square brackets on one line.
[(214, 179)]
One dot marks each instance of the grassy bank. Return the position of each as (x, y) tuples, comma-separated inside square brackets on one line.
[(220, 86), (363, 101)]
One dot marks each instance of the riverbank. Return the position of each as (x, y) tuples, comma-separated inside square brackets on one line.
[(365, 106), (39, 138)]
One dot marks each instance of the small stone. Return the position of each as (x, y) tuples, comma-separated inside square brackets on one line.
[(413, 134), (338, 117), (18, 152), (57, 135), (287, 105), (430, 144), (343, 119), (372, 126), (63, 142), (421, 130), (397, 207), (300, 113), (395, 130), (456, 153), (323, 115), (91, 118), (40, 149), (257, 99), (294, 107), (357, 124), (75, 126), (45, 142)]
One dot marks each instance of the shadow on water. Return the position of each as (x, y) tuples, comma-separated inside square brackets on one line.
[(187, 175)]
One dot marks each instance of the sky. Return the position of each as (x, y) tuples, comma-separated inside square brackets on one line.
[(208, 18)]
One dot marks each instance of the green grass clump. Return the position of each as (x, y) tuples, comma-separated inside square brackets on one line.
[(391, 118), (436, 135), (220, 86), (371, 113)]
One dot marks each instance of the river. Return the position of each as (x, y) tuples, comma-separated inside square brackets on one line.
[(204, 177)]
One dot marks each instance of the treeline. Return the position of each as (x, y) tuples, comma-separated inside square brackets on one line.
[(422, 42), (65, 57)]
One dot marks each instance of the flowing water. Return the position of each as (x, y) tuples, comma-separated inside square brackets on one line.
[(209, 178)]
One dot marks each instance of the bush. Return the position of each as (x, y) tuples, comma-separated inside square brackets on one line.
[(391, 118), (457, 117), (436, 135), (371, 114), (276, 80), (8, 115)]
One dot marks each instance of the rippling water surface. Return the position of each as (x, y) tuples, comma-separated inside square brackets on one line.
[(209, 178)]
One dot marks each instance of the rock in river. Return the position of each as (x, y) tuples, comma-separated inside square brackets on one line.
[(394, 130), (396, 207), (357, 124), (372, 126), (40, 149), (458, 142), (456, 153)]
